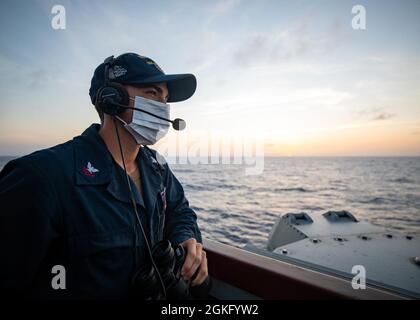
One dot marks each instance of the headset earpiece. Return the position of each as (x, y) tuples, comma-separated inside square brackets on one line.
[(112, 94)]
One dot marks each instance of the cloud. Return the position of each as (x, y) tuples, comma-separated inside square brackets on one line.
[(224, 6), (297, 42), (378, 59), (33, 76), (326, 96), (272, 47), (383, 116), (376, 114), (38, 78), (294, 42)]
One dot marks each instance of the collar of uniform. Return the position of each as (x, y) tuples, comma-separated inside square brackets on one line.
[(93, 161)]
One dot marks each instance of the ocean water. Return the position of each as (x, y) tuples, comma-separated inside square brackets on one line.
[(238, 209)]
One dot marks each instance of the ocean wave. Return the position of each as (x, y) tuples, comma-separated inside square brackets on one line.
[(209, 220), (226, 186), (195, 208), (404, 219), (195, 187), (278, 190), (212, 186), (375, 200), (402, 180), (183, 170), (208, 210), (297, 189), (312, 208)]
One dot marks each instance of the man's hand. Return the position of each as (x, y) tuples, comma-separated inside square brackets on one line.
[(196, 260)]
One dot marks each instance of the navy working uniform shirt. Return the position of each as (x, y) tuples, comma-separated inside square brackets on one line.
[(69, 205)]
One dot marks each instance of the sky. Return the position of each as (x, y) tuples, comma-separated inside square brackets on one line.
[(293, 75)]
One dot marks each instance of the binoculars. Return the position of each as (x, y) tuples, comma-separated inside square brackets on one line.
[(146, 284)]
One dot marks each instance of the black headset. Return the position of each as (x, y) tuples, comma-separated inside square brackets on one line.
[(111, 95), (112, 98)]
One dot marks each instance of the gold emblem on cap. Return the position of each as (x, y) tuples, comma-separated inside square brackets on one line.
[(150, 61)]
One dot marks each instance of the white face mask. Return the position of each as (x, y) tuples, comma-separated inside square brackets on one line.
[(146, 129)]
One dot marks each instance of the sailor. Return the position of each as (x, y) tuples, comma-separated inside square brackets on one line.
[(73, 206)]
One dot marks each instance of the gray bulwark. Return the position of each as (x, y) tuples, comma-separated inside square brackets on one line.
[(336, 241)]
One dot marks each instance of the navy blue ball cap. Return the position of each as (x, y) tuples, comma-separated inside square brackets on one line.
[(134, 69)]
